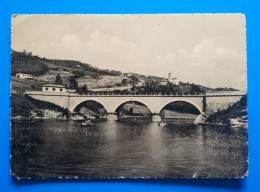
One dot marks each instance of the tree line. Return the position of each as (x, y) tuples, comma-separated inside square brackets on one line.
[(150, 88)]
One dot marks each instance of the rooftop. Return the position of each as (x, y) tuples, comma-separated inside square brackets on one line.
[(53, 85)]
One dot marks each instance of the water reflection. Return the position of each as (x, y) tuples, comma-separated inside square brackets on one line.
[(121, 149)]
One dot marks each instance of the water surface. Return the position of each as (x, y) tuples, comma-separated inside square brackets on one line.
[(53, 149)]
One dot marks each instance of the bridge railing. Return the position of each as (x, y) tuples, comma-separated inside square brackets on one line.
[(139, 94)]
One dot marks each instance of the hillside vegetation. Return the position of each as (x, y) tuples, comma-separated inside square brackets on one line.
[(25, 62), (25, 106), (237, 110), (21, 85)]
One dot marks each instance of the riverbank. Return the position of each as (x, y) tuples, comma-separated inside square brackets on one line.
[(234, 115), (24, 108)]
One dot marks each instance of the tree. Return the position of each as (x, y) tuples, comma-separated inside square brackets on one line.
[(125, 81), (66, 113), (25, 52), (78, 73), (82, 90), (134, 79), (195, 89), (58, 80), (73, 82), (131, 111), (25, 55)]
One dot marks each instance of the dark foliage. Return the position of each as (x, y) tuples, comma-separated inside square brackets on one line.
[(183, 107), (73, 83), (23, 105), (82, 90), (238, 109), (23, 62), (78, 73), (93, 106), (58, 80), (20, 105)]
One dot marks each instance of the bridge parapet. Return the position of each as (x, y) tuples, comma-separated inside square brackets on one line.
[(61, 98)]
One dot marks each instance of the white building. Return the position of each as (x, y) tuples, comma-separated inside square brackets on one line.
[(174, 81), (163, 82), (23, 76), (53, 88)]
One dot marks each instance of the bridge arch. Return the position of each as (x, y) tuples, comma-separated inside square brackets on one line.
[(197, 106), (88, 100), (133, 100)]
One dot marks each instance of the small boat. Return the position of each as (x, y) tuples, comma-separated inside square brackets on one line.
[(237, 126), (238, 122), (162, 124), (87, 123)]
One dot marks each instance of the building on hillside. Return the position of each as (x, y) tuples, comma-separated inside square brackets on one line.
[(163, 82), (53, 88), (174, 81), (121, 74), (130, 74), (23, 76)]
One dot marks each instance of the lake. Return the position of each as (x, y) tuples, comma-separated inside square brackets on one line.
[(113, 149)]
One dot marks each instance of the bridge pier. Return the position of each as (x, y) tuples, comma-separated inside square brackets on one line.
[(156, 117), (200, 118), (112, 116)]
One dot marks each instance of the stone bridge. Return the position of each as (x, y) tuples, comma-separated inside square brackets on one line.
[(207, 104)]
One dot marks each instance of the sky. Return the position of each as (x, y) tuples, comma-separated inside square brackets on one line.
[(206, 49)]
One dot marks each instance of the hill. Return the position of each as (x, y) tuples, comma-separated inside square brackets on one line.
[(25, 62), (98, 80)]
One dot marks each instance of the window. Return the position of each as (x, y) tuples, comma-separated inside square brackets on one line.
[(46, 88), (61, 89), (53, 89)]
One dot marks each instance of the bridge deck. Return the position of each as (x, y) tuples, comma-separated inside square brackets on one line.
[(226, 94)]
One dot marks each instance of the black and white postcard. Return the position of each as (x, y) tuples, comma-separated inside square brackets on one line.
[(129, 96)]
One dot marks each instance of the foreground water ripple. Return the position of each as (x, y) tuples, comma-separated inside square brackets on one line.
[(118, 149)]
